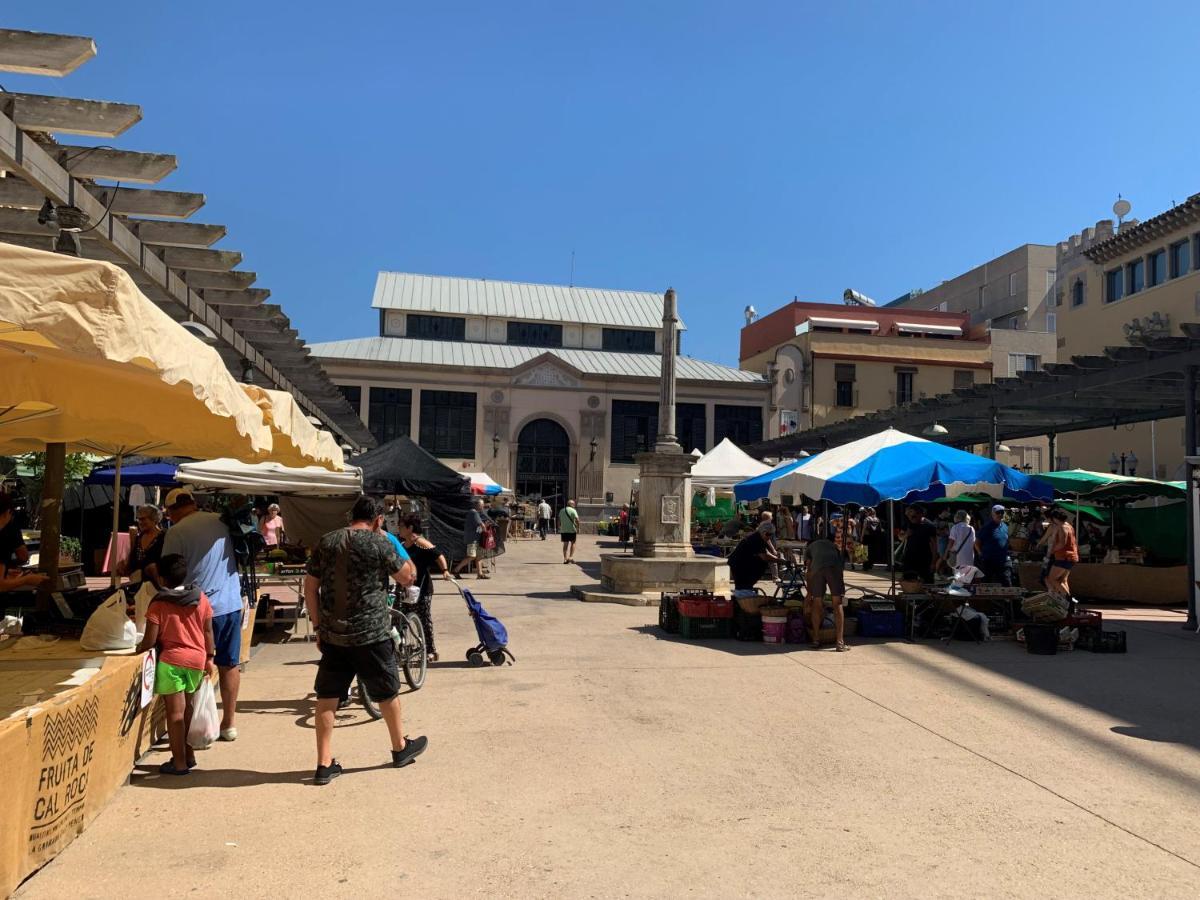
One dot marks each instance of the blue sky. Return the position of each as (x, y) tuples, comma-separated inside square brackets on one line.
[(740, 152)]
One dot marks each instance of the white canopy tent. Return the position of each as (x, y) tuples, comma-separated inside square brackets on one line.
[(724, 466), (270, 478)]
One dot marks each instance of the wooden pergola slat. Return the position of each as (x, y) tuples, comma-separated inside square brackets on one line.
[(37, 53), (115, 165), (176, 234), (196, 258), (69, 115)]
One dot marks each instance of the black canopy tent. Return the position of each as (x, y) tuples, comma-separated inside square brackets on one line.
[(402, 467)]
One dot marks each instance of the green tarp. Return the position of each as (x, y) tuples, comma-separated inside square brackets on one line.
[(702, 512)]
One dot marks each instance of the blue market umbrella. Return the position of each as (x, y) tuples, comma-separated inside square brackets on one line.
[(148, 474), (892, 465)]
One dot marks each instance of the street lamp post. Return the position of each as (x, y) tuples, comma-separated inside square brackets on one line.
[(1125, 464)]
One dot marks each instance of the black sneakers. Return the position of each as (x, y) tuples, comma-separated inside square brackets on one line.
[(326, 774), (413, 747)]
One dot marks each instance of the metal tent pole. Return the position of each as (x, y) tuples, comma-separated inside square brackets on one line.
[(1189, 430), (116, 525), (892, 542)]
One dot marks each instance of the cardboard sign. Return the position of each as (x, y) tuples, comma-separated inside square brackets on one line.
[(148, 666)]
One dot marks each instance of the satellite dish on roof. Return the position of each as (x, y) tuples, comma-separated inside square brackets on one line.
[(1121, 208)]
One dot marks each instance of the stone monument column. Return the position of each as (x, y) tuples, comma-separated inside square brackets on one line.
[(664, 523), (662, 557)]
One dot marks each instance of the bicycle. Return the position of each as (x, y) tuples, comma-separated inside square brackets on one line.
[(409, 637)]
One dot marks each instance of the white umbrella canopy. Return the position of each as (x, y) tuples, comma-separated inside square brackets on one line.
[(725, 465), (271, 478)]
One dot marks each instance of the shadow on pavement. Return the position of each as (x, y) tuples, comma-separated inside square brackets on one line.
[(724, 645), (548, 595), (149, 777), (1147, 690)]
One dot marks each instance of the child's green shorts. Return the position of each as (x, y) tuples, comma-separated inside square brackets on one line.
[(169, 679)]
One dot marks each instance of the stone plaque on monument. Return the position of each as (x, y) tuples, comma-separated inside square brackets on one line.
[(670, 510)]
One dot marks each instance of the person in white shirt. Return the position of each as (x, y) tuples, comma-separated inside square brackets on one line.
[(545, 513), (960, 549)]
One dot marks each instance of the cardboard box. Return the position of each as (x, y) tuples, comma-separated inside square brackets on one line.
[(63, 759)]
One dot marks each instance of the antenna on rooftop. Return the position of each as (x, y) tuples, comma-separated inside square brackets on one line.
[(751, 314), (571, 283), (1121, 208)]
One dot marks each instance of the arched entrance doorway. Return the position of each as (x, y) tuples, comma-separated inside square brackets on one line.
[(543, 462)]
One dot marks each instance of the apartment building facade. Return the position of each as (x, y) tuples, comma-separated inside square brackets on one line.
[(1115, 286), (1012, 298), (826, 363)]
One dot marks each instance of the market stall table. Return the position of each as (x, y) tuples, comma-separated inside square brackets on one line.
[(1118, 582)]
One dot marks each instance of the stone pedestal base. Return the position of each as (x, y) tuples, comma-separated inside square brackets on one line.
[(623, 574)]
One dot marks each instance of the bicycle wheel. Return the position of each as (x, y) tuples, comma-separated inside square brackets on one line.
[(369, 705), (413, 658)]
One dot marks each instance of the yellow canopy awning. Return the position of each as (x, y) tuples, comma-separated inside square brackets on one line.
[(87, 360), (296, 441)]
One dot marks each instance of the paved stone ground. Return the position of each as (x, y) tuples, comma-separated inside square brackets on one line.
[(613, 760)]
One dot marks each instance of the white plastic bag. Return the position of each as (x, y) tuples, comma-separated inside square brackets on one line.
[(141, 602), (206, 723), (109, 627)]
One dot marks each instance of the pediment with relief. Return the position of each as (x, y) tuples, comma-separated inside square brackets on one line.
[(547, 374)]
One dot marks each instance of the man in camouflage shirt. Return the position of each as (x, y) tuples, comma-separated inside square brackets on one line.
[(346, 593)]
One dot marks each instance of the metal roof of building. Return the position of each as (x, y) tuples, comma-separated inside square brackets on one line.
[(516, 300), (462, 354)]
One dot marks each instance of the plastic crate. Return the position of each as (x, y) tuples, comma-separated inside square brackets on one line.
[(708, 607), (1097, 641), (1085, 618), (704, 627), (880, 624), (668, 614), (747, 626)]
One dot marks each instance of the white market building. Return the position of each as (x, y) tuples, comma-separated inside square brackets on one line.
[(549, 389)]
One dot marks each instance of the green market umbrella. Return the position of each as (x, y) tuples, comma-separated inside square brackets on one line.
[(1096, 487)]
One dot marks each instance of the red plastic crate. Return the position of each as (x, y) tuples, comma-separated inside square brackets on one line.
[(1085, 618), (706, 607)]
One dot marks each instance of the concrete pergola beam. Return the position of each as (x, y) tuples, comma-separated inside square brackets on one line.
[(257, 316), (149, 202), (176, 234), (37, 53), (70, 115), (201, 260), (225, 281), (19, 194), (286, 337), (222, 299), (115, 165)]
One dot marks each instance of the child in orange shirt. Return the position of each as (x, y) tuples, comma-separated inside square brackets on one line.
[(179, 625)]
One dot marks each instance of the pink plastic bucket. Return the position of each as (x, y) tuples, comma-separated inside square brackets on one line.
[(774, 629)]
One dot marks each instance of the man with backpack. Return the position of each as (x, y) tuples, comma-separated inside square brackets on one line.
[(204, 540)]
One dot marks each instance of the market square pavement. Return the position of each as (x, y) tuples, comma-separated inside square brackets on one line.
[(614, 760)]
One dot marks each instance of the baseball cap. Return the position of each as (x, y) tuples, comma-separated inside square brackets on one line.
[(178, 496), (999, 507)]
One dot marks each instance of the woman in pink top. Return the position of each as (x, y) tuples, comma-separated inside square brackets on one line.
[(272, 526)]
